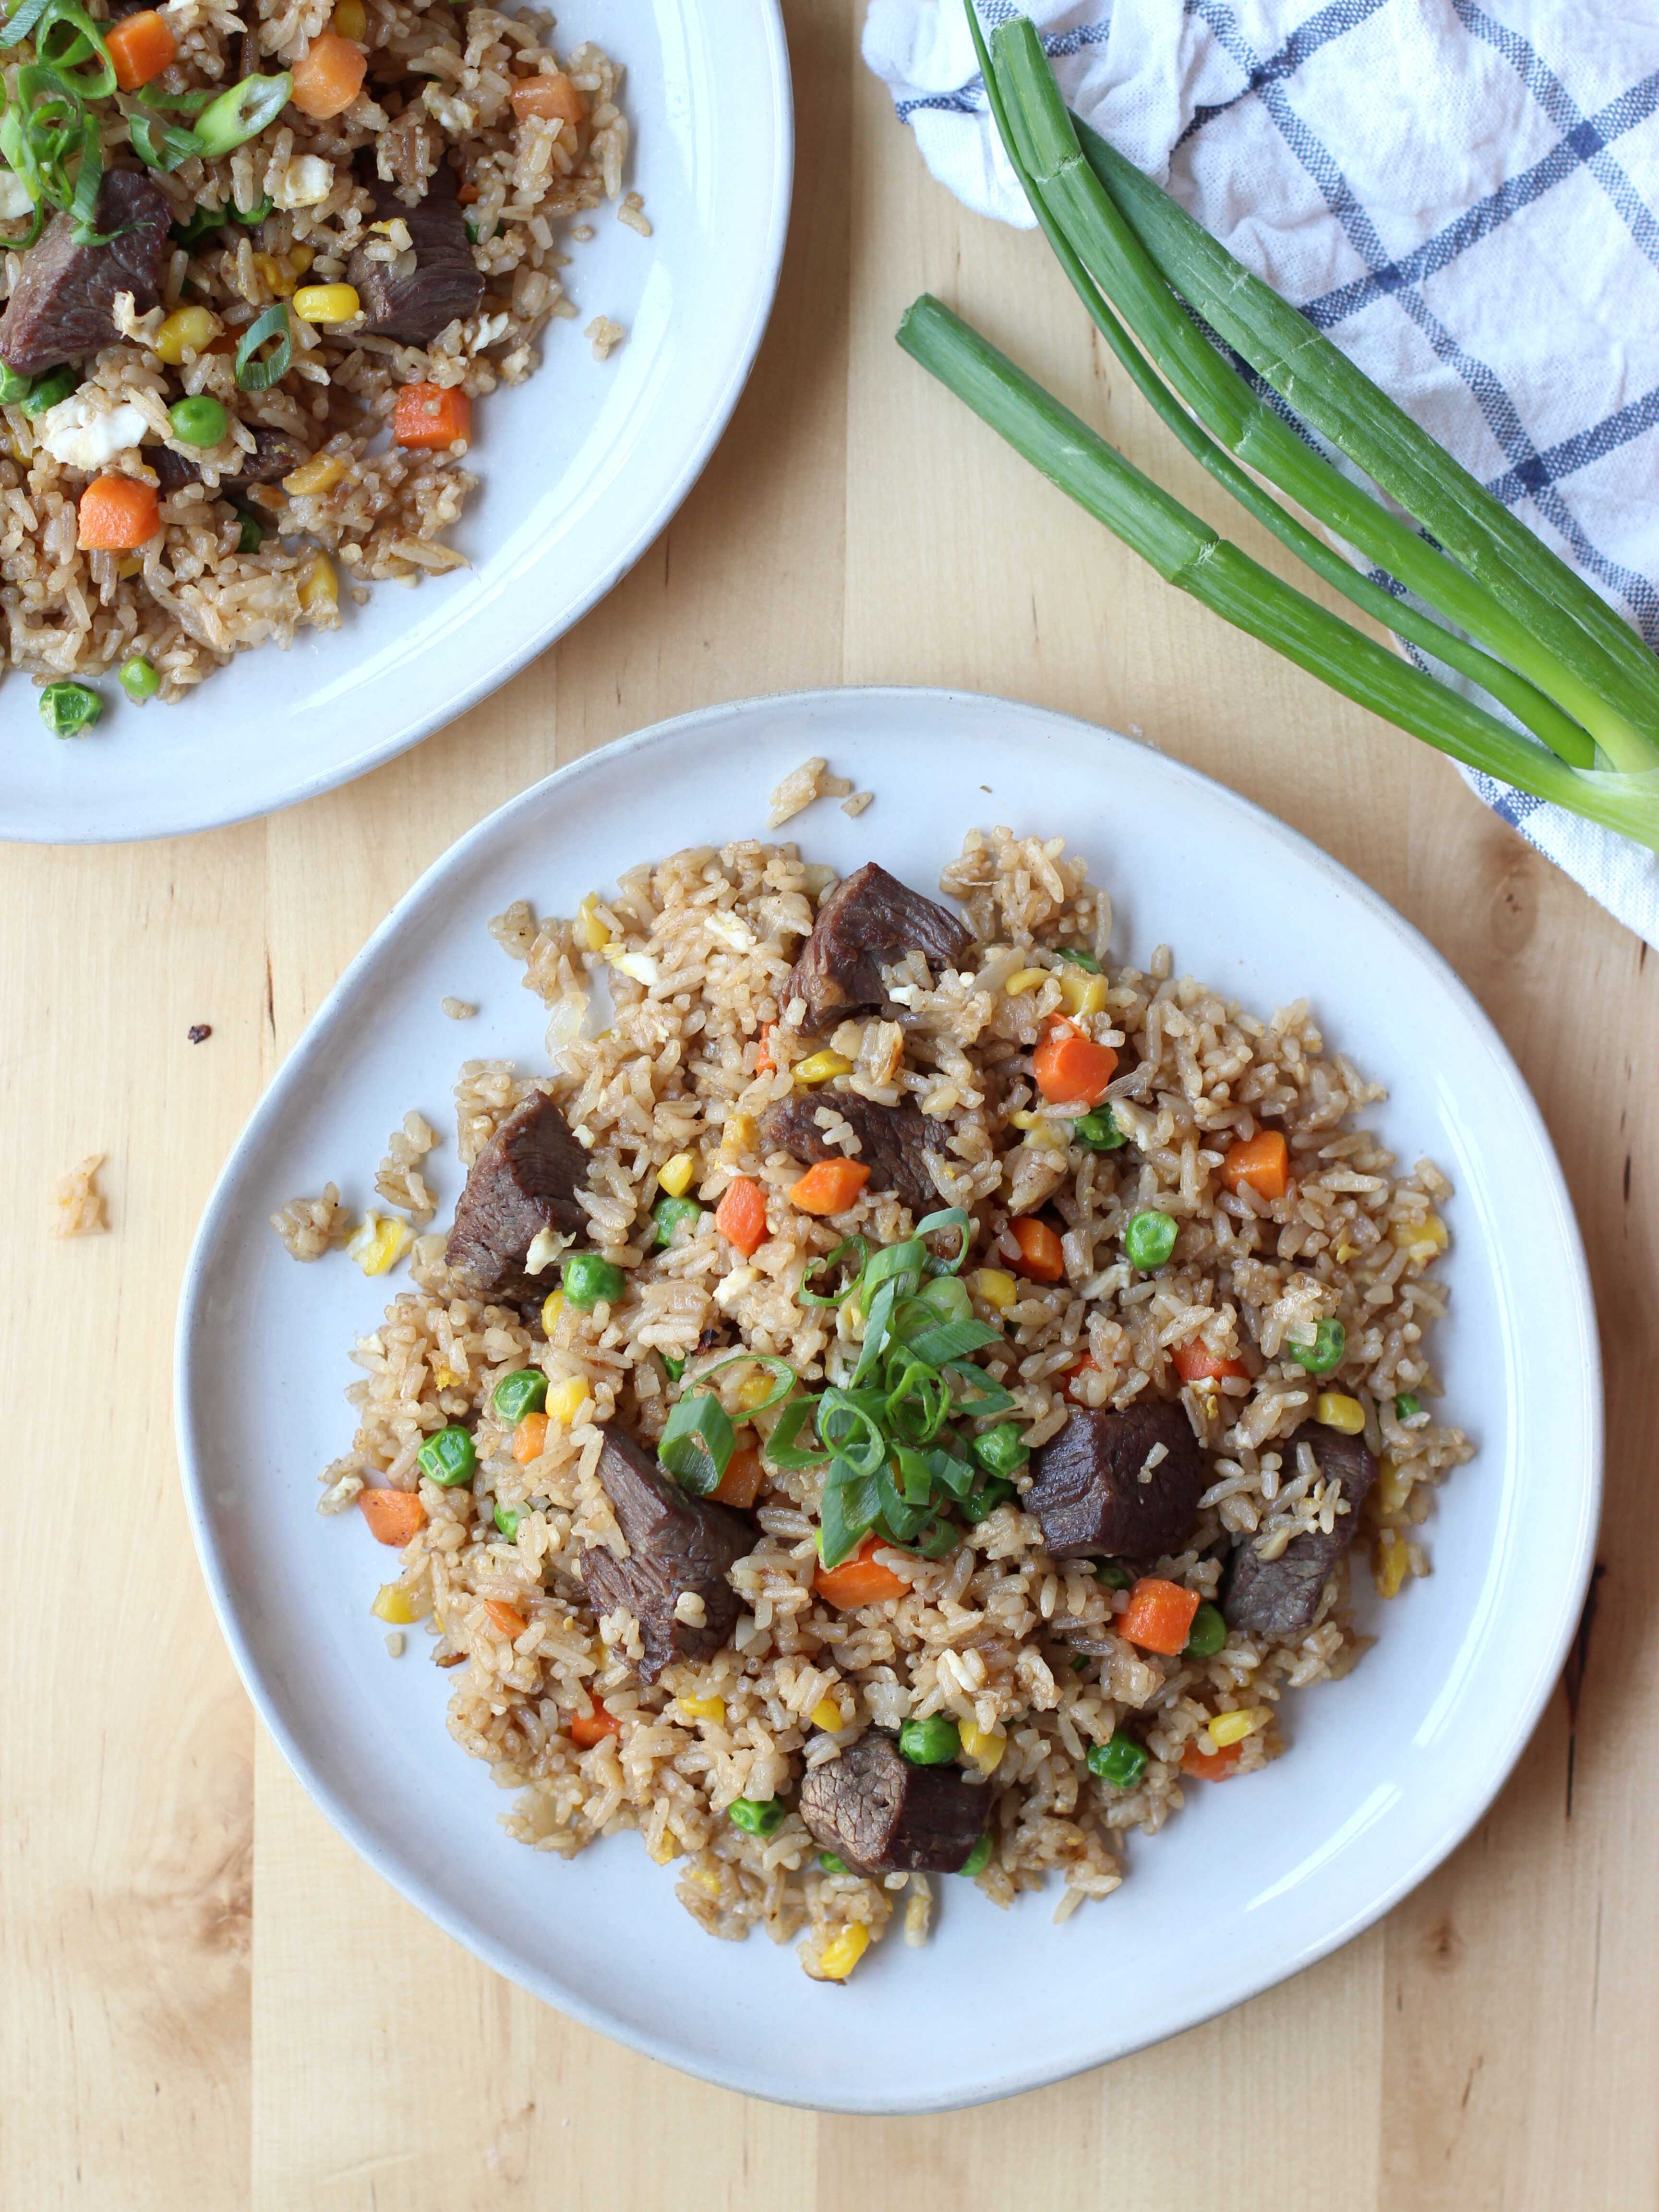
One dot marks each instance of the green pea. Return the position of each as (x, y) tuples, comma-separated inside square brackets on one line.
[(1121, 1762), (250, 533), (507, 1519), (1111, 1575), (590, 1280), (13, 388), (68, 708), (979, 1858), (1209, 1634), (1330, 1341), (523, 1392), (1078, 958), (668, 1213), (201, 420), (930, 1742), (999, 1450), (756, 1816), (831, 1865), (1098, 1131), (1148, 1239), (47, 390), (139, 678), (1407, 1405), (448, 1457)]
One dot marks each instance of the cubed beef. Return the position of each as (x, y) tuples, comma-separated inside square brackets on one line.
[(1088, 1491), (676, 1544), (869, 922), (275, 455), (433, 283), (893, 1141), (522, 1181), (1281, 1597), (880, 1814), (62, 306)]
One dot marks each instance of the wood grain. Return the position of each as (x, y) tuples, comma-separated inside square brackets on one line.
[(206, 2003)]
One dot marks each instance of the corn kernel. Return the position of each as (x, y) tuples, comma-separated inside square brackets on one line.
[(321, 473), (1422, 1240), (665, 1849), (675, 1175), (589, 928), (445, 1378), (826, 1715), (1083, 993), (326, 303), (565, 1400), (839, 1956), (380, 1242), (1344, 1252), (820, 1067), (701, 1878), (351, 20), (703, 1709), (1233, 1728), (128, 566), (754, 1393), (1332, 1409), (551, 1306), (740, 1134), (299, 259), (277, 276), (994, 1287), (1392, 1488), (1390, 1560), (319, 588), (1025, 979), (985, 1747), (392, 1605), (187, 329)]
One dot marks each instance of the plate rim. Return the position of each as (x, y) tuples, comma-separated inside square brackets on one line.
[(1577, 1294), (193, 823)]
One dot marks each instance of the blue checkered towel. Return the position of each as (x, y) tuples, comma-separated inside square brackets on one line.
[(1463, 195)]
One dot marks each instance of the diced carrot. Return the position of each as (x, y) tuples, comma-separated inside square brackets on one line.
[(140, 47), (1262, 1161), (328, 75), (740, 1484), (1196, 1362), (741, 1216), (118, 514), (530, 1438), (431, 417), (394, 1515), (507, 1618), (764, 1063), (1070, 1066), (553, 98), (1159, 1616), (1211, 1765), (1040, 1253), (830, 1187), (860, 1580), (589, 1728), (468, 194), (1078, 1367)]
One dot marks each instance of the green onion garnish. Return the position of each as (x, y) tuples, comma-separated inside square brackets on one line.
[(697, 1442), (255, 375), (234, 117)]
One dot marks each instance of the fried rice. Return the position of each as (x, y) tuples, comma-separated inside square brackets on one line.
[(439, 91), (1016, 1648)]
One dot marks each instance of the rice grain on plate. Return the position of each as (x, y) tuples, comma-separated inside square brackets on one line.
[(1019, 1649)]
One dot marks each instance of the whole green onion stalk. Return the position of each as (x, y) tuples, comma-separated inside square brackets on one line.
[(1528, 631)]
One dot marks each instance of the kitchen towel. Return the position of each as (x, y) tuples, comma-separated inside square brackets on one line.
[(1464, 196)]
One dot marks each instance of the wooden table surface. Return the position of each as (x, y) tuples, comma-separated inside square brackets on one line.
[(206, 2000)]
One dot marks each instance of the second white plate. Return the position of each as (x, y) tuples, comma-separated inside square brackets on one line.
[(1387, 1770)]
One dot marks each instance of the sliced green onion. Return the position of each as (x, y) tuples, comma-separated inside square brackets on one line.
[(980, 1858), (853, 1255), (892, 1263), (935, 1224), (163, 146), (241, 113), (1407, 1405), (673, 1368), (204, 221), (255, 375), (697, 1442), (1001, 1449), (941, 1342), (851, 1431), (847, 1512), (783, 1377), (980, 1503), (1076, 956), (782, 1451), (250, 218), (898, 1520)]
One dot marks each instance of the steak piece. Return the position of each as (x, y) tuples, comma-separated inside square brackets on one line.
[(522, 1181), (868, 922), (882, 1815), (677, 1543), (275, 455), (1279, 1597), (892, 1140), (424, 290), (1087, 1490), (62, 306)]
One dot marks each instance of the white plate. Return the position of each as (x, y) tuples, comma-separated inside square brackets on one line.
[(580, 469), (1387, 1770)]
